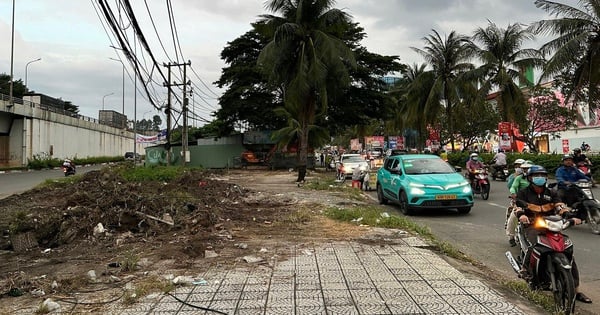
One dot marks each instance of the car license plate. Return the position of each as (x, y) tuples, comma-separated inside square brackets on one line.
[(445, 197)]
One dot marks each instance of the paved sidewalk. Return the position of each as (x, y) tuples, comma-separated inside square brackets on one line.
[(396, 277)]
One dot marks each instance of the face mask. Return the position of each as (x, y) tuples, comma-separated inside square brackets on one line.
[(539, 181), (518, 170), (475, 158)]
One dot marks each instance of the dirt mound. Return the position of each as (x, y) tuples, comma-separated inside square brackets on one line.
[(59, 232)]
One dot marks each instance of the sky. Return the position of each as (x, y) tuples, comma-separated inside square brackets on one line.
[(74, 42)]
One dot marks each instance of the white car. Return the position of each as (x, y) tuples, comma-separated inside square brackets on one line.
[(348, 162)]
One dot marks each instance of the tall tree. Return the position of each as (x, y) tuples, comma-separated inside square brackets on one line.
[(576, 48), (249, 99), (305, 48), (448, 58), (546, 115), (503, 66)]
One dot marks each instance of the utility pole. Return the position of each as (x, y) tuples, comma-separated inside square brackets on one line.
[(184, 134), (168, 113), (184, 144)]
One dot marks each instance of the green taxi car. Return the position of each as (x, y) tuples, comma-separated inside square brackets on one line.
[(422, 181)]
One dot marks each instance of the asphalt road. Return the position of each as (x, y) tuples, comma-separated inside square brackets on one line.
[(480, 234), (15, 182)]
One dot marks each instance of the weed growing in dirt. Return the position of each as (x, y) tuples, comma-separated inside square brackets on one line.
[(144, 174), (372, 216), (60, 182), (148, 285), (129, 262), (42, 309), (537, 297)]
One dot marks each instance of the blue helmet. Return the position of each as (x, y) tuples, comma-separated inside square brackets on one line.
[(536, 169)]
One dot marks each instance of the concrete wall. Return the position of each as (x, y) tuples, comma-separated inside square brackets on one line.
[(591, 136), (28, 130)]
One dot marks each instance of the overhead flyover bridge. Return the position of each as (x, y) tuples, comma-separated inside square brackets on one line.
[(29, 130)]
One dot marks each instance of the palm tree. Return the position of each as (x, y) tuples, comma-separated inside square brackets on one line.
[(304, 49), (504, 62), (576, 47), (410, 111), (449, 59)]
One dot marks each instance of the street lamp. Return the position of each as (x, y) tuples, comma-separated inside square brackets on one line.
[(27, 65), (123, 88), (109, 94)]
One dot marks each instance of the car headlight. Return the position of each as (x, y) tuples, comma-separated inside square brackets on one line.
[(416, 185), (416, 191), (467, 189)]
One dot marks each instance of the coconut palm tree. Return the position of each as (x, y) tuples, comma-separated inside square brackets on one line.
[(448, 58), (305, 47), (503, 64), (576, 47)]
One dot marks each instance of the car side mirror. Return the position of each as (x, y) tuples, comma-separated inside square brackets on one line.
[(458, 169)]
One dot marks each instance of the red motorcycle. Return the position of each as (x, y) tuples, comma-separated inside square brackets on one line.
[(585, 168), (550, 260), (481, 183)]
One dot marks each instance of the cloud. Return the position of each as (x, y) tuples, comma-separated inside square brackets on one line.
[(75, 47)]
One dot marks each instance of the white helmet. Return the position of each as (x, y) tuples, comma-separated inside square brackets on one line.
[(519, 161), (473, 155), (67, 160)]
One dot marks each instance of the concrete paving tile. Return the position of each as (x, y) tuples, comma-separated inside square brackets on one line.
[(433, 304), (342, 310), (308, 286), (254, 303), (311, 310), (373, 309), (316, 303), (280, 303), (279, 311), (246, 311)]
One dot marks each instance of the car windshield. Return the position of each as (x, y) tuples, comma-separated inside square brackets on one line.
[(352, 159), (426, 166)]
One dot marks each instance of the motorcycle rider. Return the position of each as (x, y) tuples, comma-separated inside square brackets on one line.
[(519, 183), (499, 162), (580, 157), (517, 166), (566, 175), (473, 164), (537, 193), (68, 164)]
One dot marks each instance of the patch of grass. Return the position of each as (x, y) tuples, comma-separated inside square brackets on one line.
[(42, 309), (129, 262), (373, 216), (72, 284), (147, 286), (155, 173), (538, 297), (60, 182), (301, 216)]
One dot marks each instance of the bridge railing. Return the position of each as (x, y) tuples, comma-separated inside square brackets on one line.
[(53, 109)]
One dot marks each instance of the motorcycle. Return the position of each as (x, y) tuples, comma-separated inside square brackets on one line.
[(550, 260), (500, 172), (481, 183), (68, 170), (587, 208), (585, 169)]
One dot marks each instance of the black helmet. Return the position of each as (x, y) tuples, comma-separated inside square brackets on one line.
[(567, 156), (577, 150), (536, 169)]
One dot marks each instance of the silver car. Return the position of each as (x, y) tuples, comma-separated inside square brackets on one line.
[(348, 162)]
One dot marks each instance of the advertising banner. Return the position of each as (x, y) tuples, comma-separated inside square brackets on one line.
[(565, 146), (355, 145), (392, 142), (505, 135)]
